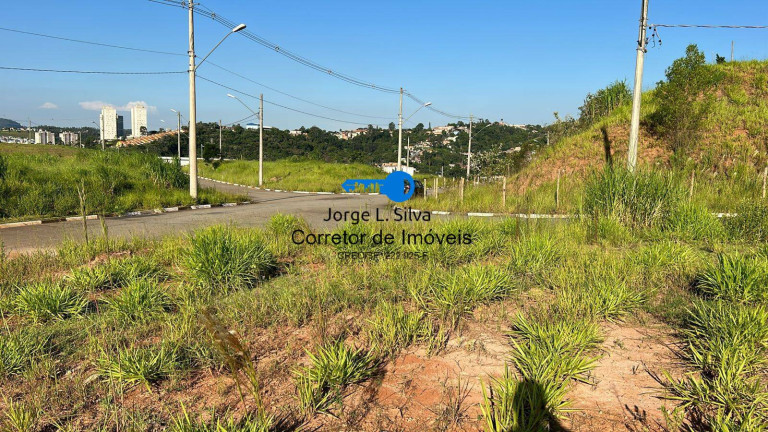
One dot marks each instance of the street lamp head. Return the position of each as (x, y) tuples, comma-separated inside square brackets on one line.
[(238, 28), (231, 95), (174, 110), (428, 104)]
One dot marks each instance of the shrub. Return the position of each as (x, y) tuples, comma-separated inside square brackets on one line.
[(735, 278), (45, 301), (641, 199), (139, 300), (750, 222), (222, 258), (331, 370)]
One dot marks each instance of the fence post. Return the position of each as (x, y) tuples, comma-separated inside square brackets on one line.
[(425, 188), (504, 192), (461, 190), (437, 184), (690, 191), (557, 191), (765, 174)]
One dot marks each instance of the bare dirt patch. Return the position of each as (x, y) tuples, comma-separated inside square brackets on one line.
[(626, 396)]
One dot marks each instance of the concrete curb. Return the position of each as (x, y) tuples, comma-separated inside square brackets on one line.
[(128, 214), (288, 191)]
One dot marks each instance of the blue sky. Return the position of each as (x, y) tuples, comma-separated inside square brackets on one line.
[(515, 60)]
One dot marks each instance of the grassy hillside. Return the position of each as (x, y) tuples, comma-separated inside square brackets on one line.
[(311, 176), (726, 160), (43, 181)]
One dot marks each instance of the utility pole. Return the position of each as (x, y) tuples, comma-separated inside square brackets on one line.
[(634, 130), (29, 132), (221, 156), (469, 148), (261, 139), (400, 133), (192, 107)]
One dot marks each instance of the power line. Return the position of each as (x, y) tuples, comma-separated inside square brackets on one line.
[(238, 121), (90, 72), (276, 104), (708, 26), (296, 97), (90, 42), (296, 57)]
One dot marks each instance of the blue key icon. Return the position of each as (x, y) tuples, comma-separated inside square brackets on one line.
[(398, 186)]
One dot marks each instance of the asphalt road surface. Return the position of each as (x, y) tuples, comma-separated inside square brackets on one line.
[(313, 208)]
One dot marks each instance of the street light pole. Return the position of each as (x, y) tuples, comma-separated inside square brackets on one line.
[(193, 100), (634, 129), (192, 107), (400, 134), (221, 156)]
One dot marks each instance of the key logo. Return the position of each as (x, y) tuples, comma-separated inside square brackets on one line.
[(399, 186)]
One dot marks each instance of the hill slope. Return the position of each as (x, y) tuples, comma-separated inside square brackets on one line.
[(734, 136)]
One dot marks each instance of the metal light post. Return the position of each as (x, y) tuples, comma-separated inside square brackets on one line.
[(400, 129), (260, 115), (193, 98), (178, 134)]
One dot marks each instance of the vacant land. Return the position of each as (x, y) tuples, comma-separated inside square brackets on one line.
[(46, 181), (646, 314), (313, 176)]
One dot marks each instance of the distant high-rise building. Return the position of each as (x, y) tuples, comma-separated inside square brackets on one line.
[(138, 120), (45, 137), (67, 137), (108, 122), (120, 128)]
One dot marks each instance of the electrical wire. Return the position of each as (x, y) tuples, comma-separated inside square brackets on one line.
[(296, 97), (276, 104), (90, 72), (709, 26), (90, 42), (296, 57)]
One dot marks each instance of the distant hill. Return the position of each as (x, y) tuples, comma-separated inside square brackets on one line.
[(6, 123)]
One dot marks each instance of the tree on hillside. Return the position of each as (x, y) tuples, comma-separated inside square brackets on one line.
[(684, 100), (604, 101)]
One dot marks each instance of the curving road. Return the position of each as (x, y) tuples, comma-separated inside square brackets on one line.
[(313, 208)]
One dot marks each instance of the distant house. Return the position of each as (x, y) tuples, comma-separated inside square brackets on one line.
[(296, 132), (389, 167), (251, 126)]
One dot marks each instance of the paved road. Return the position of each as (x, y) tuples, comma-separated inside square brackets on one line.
[(313, 208)]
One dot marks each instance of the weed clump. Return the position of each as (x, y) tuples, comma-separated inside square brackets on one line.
[(641, 199), (735, 278), (223, 258), (44, 301), (139, 300), (332, 369), (19, 350), (139, 365)]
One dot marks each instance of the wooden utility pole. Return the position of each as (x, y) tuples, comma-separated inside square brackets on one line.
[(504, 192)]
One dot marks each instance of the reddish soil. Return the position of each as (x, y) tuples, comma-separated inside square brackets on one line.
[(625, 395)]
